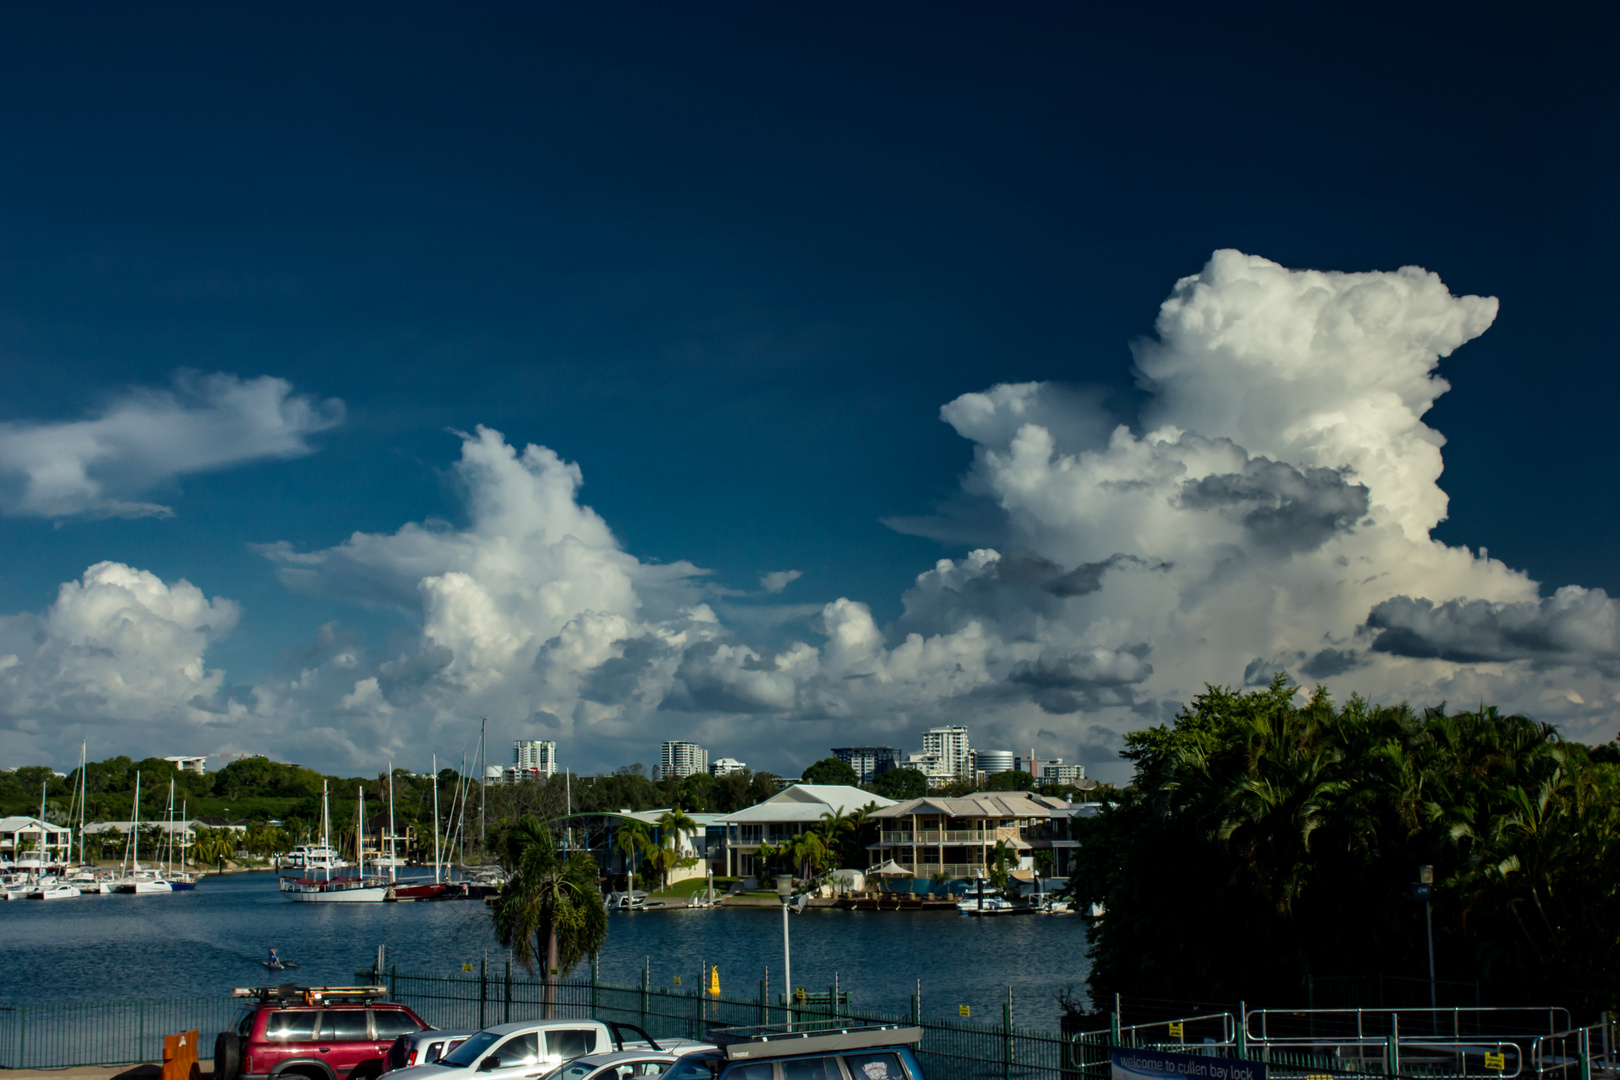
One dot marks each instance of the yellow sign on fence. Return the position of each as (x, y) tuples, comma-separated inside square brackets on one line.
[(1495, 1061), (964, 1010), (1176, 1029)]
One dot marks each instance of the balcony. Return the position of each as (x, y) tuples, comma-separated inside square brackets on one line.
[(941, 836)]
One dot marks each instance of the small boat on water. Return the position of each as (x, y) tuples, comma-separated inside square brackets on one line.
[(51, 888), (629, 900), (987, 902)]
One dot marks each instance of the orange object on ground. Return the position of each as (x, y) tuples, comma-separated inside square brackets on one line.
[(180, 1057)]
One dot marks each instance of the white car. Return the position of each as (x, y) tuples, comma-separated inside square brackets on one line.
[(526, 1050), (622, 1065)]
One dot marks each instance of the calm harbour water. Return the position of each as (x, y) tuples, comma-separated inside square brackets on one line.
[(202, 943)]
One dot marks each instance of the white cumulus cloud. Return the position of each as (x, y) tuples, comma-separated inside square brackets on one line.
[(105, 465), (1270, 508)]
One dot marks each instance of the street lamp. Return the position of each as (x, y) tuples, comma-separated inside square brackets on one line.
[(784, 893)]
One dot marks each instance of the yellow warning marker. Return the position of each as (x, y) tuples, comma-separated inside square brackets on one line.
[(1496, 1061), (1176, 1029), (714, 981), (677, 980), (964, 1010)]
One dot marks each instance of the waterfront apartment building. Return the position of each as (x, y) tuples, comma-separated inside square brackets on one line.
[(534, 757), (190, 764), (680, 758), (726, 766), (795, 809), (869, 762), (956, 837), (950, 745)]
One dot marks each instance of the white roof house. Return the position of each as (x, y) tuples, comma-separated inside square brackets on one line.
[(791, 811), (19, 833)]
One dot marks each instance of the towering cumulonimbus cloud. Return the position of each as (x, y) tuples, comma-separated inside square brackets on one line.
[(1270, 509)]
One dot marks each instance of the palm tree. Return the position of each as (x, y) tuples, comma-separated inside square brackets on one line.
[(999, 857), (632, 837), (549, 905), (671, 826), (810, 851)]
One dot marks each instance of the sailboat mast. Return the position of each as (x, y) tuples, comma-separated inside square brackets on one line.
[(135, 832), (44, 837), (390, 821), (360, 833), (84, 792), (435, 819), (483, 783), (326, 834)]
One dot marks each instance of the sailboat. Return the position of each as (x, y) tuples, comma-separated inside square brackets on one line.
[(344, 889), (85, 877), (48, 886), (135, 880), (178, 879)]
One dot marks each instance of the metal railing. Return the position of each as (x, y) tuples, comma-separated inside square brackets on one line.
[(1411, 1044), (114, 1033), (936, 836), (1442, 1043)]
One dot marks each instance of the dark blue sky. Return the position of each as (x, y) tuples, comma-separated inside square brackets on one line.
[(733, 259)]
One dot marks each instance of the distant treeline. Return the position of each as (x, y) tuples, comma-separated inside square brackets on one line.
[(1264, 841)]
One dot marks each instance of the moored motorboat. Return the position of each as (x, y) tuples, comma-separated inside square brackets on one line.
[(52, 889)]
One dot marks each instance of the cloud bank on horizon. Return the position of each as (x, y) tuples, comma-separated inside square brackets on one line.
[(1271, 509)]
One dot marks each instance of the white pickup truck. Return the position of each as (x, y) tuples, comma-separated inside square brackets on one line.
[(529, 1049)]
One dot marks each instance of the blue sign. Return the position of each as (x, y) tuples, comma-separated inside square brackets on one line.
[(1130, 1064)]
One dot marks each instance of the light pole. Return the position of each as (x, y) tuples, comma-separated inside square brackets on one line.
[(784, 893), (1422, 890)]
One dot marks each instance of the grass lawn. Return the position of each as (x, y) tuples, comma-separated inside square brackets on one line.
[(684, 890)]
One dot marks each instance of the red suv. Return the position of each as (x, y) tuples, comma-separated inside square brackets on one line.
[(312, 1033)]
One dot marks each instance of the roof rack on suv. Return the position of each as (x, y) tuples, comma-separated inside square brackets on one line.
[(287, 993), (814, 1037)]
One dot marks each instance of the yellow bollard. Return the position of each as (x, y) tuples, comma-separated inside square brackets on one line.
[(714, 981)]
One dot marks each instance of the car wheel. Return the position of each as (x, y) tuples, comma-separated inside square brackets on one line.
[(227, 1055)]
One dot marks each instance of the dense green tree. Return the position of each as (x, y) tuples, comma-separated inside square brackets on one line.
[(1011, 780), (830, 770), (901, 784), (1264, 840)]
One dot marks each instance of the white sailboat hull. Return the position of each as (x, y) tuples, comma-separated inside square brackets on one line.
[(55, 892), (141, 888), (365, 895)]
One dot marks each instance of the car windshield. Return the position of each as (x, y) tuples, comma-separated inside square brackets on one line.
[(691, 1067), (469, 1051)]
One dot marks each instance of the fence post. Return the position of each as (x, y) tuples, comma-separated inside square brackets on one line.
[(1243, 1030), (508, 1012), (483, 991), (644, 999), (1006, 1037), (916, 1009), (596, 997), (140, 1037), (1586, 1054), (1391, 1056), (393, 982), (22, 1034)]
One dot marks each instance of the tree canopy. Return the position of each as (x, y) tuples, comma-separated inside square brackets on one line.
[(830, 770), (1264, 841)]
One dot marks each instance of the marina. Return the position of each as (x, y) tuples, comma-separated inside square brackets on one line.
[(203, 942)]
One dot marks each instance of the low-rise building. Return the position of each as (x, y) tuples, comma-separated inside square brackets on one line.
[(726, 766), (793, 810), (956, 837), (198, 764), (22, 837)]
